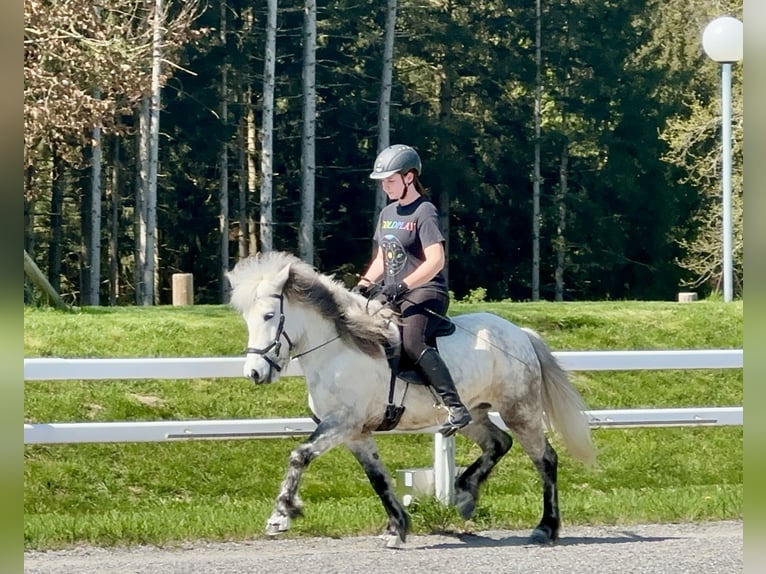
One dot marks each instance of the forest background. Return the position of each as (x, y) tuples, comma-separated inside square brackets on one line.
[(572, 146)]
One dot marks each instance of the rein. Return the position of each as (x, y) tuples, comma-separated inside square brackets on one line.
[(312, 349)]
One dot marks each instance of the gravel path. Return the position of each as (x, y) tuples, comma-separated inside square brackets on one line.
[(709, 548)]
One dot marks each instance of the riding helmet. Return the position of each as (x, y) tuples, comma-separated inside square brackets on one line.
[(395, 159)]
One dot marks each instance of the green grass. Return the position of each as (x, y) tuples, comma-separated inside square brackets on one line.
[(165, 493)]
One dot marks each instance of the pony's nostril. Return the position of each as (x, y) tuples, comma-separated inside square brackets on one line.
[(254, 375)]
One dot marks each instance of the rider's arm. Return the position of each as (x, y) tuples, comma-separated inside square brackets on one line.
[(423, 273), (374, 271)]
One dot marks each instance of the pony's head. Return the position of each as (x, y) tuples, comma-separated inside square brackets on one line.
[(261, 287), (258, 285)]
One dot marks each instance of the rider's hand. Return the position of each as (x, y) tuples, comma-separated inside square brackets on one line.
[(393, 291), (363, 290)]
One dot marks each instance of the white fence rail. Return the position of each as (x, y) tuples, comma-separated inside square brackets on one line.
[(231, 367), (443, 470), (159, 431)]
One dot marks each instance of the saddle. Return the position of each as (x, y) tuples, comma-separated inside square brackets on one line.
[(410, 375), (405, 370)]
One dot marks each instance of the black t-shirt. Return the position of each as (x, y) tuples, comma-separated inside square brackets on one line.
[(403, 232)]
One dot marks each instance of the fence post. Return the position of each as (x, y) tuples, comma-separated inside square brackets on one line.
[(183, 289), (687, 297), (444, 468)]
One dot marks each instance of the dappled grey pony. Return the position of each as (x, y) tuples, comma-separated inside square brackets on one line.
[(292, 311)]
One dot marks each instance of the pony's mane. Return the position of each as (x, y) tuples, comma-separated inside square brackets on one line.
[(364, 324)]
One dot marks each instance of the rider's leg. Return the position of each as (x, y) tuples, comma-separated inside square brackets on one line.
[(438, 376), (418, 343)]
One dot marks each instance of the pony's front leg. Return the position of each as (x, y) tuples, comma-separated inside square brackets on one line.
[(366, 452), (327, 435)]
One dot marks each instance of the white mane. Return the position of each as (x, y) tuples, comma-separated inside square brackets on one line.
[(365, 324)]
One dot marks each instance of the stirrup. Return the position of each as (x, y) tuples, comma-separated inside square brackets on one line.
[(455, 422)]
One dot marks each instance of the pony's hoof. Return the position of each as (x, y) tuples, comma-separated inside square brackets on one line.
[(277, 525), (465, 503), (392, 541), (542, 536)]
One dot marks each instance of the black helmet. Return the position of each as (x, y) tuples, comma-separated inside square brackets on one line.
[(395, 159)]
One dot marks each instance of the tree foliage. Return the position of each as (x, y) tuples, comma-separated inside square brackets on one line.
[(86, 63), (462, 93), (693, 139)]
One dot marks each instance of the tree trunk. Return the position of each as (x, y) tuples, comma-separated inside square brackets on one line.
[(267, 132), (223, 226), (242, 234), (536, 181), (85, 179), (142, 190), (58, 184), (150, 269), (384, 102), (561, 243), (308, 159), (94, 241), (252, 185), (114, 226), (244, 95), (30, 183), (445, 116), (91, 289), (29, 221)]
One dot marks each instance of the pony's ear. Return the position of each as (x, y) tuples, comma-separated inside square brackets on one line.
[(281, 278)]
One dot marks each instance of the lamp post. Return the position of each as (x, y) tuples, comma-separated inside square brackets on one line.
[(722, 42)]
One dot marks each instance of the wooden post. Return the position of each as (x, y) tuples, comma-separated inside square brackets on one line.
[(183, 289), (37, 277)]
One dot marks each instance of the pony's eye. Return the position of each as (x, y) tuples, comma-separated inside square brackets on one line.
[(268, 316)]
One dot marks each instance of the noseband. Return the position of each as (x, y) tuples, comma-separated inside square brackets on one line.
[(276, 344)]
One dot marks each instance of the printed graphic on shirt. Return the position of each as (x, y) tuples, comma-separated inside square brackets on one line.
[(394, 255), (403, 225)]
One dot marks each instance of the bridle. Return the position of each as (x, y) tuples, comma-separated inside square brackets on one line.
[(276, 344)]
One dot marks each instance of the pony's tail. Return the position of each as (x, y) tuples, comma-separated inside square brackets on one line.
[(564, 407)]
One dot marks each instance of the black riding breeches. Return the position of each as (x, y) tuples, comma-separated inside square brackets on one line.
[(418, 325)]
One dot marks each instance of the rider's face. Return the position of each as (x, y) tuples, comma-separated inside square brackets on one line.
[(394, 185)]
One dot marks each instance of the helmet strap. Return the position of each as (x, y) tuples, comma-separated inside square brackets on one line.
[(406, 187)]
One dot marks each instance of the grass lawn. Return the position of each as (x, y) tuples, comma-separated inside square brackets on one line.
[(165, 493)]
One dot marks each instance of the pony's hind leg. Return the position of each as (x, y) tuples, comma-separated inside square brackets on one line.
[(531, 437), (288, 504), (547, 531), (494, 443), (366, 452)]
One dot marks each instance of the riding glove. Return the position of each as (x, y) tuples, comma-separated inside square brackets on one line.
[(363, 290), (393, 291)]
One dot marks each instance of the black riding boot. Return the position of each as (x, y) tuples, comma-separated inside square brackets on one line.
[(438, 376)]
